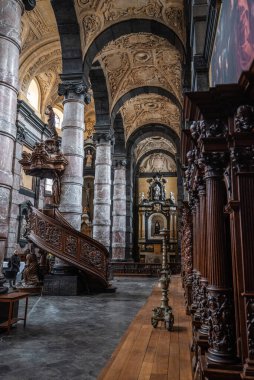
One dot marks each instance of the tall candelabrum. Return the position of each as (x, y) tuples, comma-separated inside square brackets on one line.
[(164, 311)]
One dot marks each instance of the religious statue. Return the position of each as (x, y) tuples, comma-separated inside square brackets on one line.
[(141, 197), (156, 192), (172, 198), (31, 271), (56, 190), (89, 158), (157, 228), (51, 122)]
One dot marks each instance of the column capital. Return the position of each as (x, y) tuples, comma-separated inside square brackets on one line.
[(29, 4), (215, 163), (120, 163), (74, 88), (244, 119), (208, 128), (243, 159), (104, 136)]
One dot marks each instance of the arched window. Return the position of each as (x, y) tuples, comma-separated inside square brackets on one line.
[(33, 95), (58, 118)]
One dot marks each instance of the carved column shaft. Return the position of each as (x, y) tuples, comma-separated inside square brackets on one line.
[(186, 248), (102, 191), (119, 212), (216, 248), (246, 188), (203, 234), (220, 301)]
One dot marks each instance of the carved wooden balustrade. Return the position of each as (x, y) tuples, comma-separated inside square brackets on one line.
[(49, 231)]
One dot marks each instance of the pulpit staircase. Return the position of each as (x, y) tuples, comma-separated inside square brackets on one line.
[(49, 231)]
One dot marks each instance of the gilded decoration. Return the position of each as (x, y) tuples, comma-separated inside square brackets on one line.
[(97, 15), (147, 109), (141, 59)]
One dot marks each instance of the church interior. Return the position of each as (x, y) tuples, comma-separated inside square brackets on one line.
[(127, 182)]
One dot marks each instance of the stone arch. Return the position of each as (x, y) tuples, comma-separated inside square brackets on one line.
[(151, 222), (150, 130), (127, 27), (69, 32), (100, 94), (144, 90)]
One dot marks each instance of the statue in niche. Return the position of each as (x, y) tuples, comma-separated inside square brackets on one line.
[(51, 121), (89, 158), (172, 198), (157, 228), (87, 190), (56, 189), (141, 197), (156, 192)]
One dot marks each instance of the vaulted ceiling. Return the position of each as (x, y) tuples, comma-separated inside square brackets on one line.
[(143, 70)]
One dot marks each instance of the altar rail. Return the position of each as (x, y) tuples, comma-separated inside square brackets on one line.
[(141, 269)]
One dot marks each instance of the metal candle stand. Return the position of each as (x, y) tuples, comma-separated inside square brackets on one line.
[(164, 311)]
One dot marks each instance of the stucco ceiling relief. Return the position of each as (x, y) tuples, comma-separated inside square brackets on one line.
[(149, 109), (138, 60), (97, 15), (151, 144)]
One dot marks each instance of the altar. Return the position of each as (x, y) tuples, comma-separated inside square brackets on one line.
[(157, 211)]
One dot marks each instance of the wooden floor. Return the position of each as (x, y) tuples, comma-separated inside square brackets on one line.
[(145, 353)]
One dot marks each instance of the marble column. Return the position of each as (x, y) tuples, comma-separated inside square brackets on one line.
[(11, 12), (102, 189), (119, 212), (75, 98), (75, 93)]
